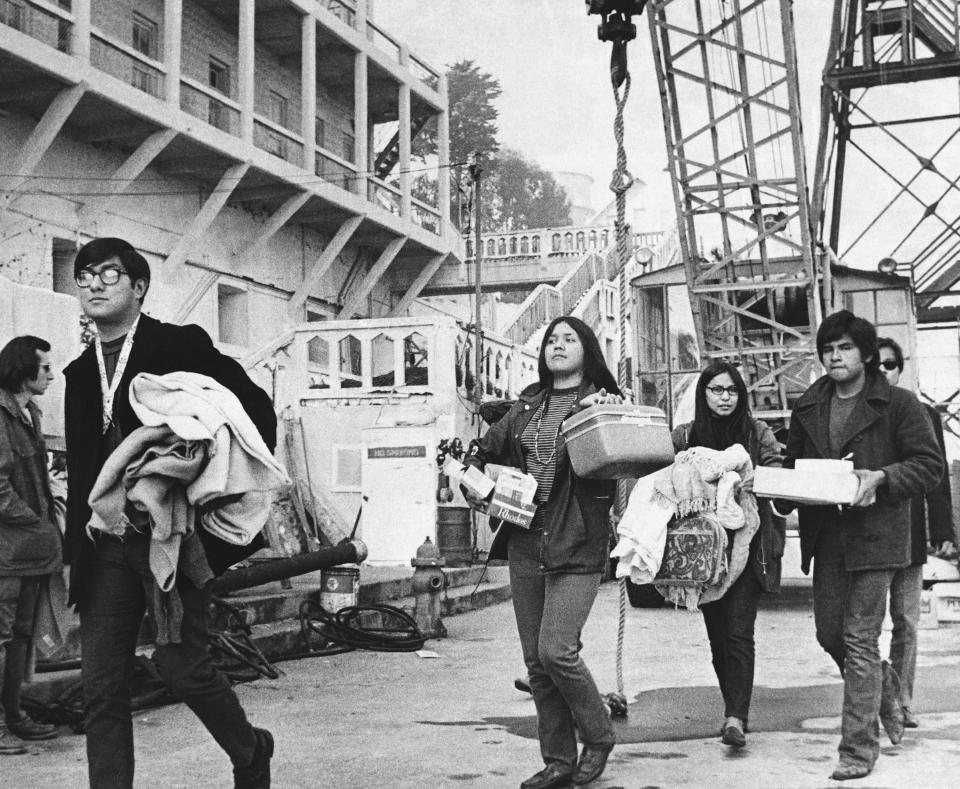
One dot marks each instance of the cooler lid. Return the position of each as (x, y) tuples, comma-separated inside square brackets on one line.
[(624, 413)]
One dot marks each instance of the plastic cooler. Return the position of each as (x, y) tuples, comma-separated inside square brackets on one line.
[(618, 441)]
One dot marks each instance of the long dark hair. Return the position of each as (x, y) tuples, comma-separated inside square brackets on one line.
[(595, 370), (715, 432)]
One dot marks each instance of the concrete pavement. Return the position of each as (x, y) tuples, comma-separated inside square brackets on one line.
[(398, 720)]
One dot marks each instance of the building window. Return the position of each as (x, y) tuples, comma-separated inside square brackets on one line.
[(233, 318), (219, 78), (320, 133), (279, 108), (144, 79), (145, 35)]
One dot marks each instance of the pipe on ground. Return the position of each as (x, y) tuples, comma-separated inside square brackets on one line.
[(349, 552)]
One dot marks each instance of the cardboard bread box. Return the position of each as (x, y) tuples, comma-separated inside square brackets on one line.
[(618, 441), (512, 495), (813, 481)]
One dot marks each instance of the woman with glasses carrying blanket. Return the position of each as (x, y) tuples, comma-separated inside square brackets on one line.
[(721, 419), (556, 564)]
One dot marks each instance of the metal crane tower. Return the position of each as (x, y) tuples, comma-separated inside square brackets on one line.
[(728, 84), (889, 112)]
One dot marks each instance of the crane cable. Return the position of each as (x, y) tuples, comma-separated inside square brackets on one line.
[(620, 184)]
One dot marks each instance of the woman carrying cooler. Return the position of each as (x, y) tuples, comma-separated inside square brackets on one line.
[(556, 564), (722, 418)]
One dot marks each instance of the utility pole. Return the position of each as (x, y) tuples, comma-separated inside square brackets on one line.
[(475, 172)]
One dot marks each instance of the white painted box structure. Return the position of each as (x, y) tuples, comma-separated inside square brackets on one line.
[(811, 482), (948, 601)]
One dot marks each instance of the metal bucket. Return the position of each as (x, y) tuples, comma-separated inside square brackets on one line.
[(340, 587), (455, 535)]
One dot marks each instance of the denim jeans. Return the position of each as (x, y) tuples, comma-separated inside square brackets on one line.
[(112, 606), (848, 611), (905, 613), (730, 624), (551, 610), (18, 609)]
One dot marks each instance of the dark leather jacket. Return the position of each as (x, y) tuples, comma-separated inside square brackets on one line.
[(766, 547), (30, 542), (888, 431), (576, 533)]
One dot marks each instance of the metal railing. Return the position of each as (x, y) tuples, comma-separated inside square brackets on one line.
[(337, 171), (424, 73), (127, 64), (45, 23), (425, 216), (384, 195), (942, 16), (383, 42), (209, 105), (342, 10), (273, 138)]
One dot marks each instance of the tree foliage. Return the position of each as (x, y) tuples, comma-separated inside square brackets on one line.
[(472, 94), (516, 193)]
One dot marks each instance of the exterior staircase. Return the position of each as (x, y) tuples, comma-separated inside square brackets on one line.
[(585, 290)]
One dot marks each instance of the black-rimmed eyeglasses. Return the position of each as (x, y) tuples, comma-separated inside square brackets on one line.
[(108, 276), (717, 391)]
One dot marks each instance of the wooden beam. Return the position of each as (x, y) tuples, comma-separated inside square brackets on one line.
[(205, 216), (39, 142), (322, 264), (373, 276), (125, 174), (418, 284), (277, 219)]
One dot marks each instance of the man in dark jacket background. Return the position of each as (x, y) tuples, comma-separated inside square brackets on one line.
[(30, 543), (853, 412), (110, 576)]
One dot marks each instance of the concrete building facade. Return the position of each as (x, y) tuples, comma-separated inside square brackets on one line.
[(276, 161)]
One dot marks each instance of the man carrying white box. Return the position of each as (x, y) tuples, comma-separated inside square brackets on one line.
[(853, 413)]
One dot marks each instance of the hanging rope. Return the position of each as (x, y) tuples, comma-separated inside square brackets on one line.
[(620, 184)]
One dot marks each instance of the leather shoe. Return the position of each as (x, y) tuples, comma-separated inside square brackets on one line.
[(552, 775), (891, 711), (910, 721), (10, 748), (592, 763), (256, 775), (523, 685), (26, 728), (733, 735), (847, 771)]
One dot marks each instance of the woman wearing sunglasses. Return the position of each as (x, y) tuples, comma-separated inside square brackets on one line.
[(722, 418)]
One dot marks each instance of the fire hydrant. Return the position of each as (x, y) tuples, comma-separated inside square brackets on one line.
[(428, 583)]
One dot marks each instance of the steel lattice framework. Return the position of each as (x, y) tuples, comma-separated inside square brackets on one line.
[(889, 115), (728, 85)]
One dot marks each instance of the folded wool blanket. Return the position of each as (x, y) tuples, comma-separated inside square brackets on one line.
[(700, 480)]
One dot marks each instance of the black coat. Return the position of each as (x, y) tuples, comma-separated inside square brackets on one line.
[(158, 348), (888, 431), (576, 533)]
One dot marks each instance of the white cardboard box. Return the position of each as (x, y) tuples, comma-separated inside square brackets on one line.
[(806, 487)]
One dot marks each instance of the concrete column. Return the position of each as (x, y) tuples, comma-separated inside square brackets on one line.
[(443, 154), (362, 14), (404, 133), (246, 67), (172, 40), (362, 133), (80, 32), (308, 93)]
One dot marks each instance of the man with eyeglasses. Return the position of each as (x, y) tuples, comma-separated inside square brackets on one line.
[(933, 510), (853, 413), (111, 581), (30, 542)]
